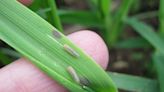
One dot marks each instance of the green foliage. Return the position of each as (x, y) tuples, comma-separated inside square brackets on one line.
[(80, 17), (161, 17), (47, 10), (117, 23), (148, 33), (45, 50), (158, 62), (55, 18), (104, 8), (134, 83), (50, 50), (131, 43), (158, 56)]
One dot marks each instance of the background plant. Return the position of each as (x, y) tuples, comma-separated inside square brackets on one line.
[(112, 25)]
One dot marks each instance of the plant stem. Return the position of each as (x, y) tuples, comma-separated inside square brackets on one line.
[(105, 13), (55, 18), (118, 21)]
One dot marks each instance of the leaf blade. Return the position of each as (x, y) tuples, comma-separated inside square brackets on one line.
[(147, 32), (158, 59), (33, 37), (134, 83)]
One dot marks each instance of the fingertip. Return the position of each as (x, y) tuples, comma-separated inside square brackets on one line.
[(93, 45)]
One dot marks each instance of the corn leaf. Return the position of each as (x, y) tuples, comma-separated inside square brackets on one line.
[(50, 50)]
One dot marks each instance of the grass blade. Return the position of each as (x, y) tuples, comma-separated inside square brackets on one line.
[(131, 43), (134, 83), (118, 20), (158, 59), (146, 15), (80, 17), (105, 14), (161, 17), (34, 38), (148, 33), (104, 8), (84, 18), (55, 17)]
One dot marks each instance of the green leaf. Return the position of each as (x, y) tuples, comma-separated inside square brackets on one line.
[(147, 33), (80, 17), (54, 16), (161, 17), (118, 23), (84, 18), (48, 11), (43, 12), (104, 7), (146, 15), (158, 59), (50, 50), (134, 83), (131, 43)]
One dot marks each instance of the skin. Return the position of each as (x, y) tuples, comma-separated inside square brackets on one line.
[(22, 76)]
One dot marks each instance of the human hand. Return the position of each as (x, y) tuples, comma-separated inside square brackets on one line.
[(22, 76)]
